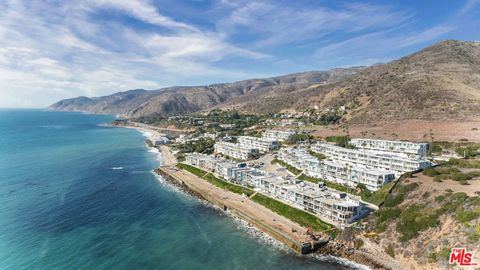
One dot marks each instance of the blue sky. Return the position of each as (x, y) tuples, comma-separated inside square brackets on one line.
[(50, 50)]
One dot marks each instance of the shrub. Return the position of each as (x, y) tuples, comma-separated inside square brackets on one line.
[(430, 172), (415, 219), (390, 250), (440, 198), (358, 243), (388, 213), (394, 200), (466, 216)]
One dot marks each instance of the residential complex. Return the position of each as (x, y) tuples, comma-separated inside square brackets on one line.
[(235, 150), (335, 171), (371, 159), (334, 206), (403, 148), (247, 147), (263, 145), (277, 135)]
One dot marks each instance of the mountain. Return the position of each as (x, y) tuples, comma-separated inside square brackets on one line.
[(441, 82), (137, 103)]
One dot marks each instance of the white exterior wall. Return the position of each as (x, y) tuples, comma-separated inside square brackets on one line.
[(304, 195), (370, 159), (263, 145), (338, 172), (235, 150), (407, 149), (278, 135)]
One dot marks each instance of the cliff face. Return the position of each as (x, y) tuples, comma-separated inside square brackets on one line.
[(441, 82)]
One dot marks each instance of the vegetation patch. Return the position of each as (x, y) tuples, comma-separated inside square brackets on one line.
[(319, 156), (299, 137), (290, 168), (227, 185), (388, 213), (194, 170), (378, 197), (464, 163), (215, 180), (414, 220), (398, 196), (342, 141), (307, 178), (202, 145), (301, 217)]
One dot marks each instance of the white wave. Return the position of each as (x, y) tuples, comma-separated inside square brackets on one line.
[(159, 154), (117, 168), (341, 261), (54, 126), (259, 235), (146, 133)]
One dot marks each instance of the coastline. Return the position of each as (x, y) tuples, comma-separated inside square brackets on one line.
[(340, 252)]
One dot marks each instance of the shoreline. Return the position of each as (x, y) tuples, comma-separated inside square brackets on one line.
[(337, 252)]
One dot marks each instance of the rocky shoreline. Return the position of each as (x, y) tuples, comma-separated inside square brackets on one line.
[(182, 186), (343, 247)]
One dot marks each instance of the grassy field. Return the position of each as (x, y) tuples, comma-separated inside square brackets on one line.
[(196, 171), (301, 217), (215, 180), (226, 185)]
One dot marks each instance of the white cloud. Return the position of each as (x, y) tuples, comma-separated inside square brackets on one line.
[(370, 48), (51, 52), (142, 10), (282, 24)]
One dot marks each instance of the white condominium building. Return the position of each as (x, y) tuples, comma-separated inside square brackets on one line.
[(406, 149), (299, 159), (370, 159), (235, 150), (331, 205), (263, 145), (202, 161), (350, 175), (277, 135), (334, 206), (335, 171)]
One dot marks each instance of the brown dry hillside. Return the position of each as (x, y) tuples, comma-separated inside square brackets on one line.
[(174, 100), (441, 82)]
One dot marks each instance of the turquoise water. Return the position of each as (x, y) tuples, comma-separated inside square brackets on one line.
[(65, 203)]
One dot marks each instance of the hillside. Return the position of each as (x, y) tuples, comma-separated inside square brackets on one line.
[(427, 214), (441, 82), (137, 103)]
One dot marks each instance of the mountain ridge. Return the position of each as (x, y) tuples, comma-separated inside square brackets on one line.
[(440, 82)]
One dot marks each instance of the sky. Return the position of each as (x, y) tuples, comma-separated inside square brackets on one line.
[(51, 50)]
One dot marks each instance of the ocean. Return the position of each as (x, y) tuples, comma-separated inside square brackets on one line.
[(75, 194)]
